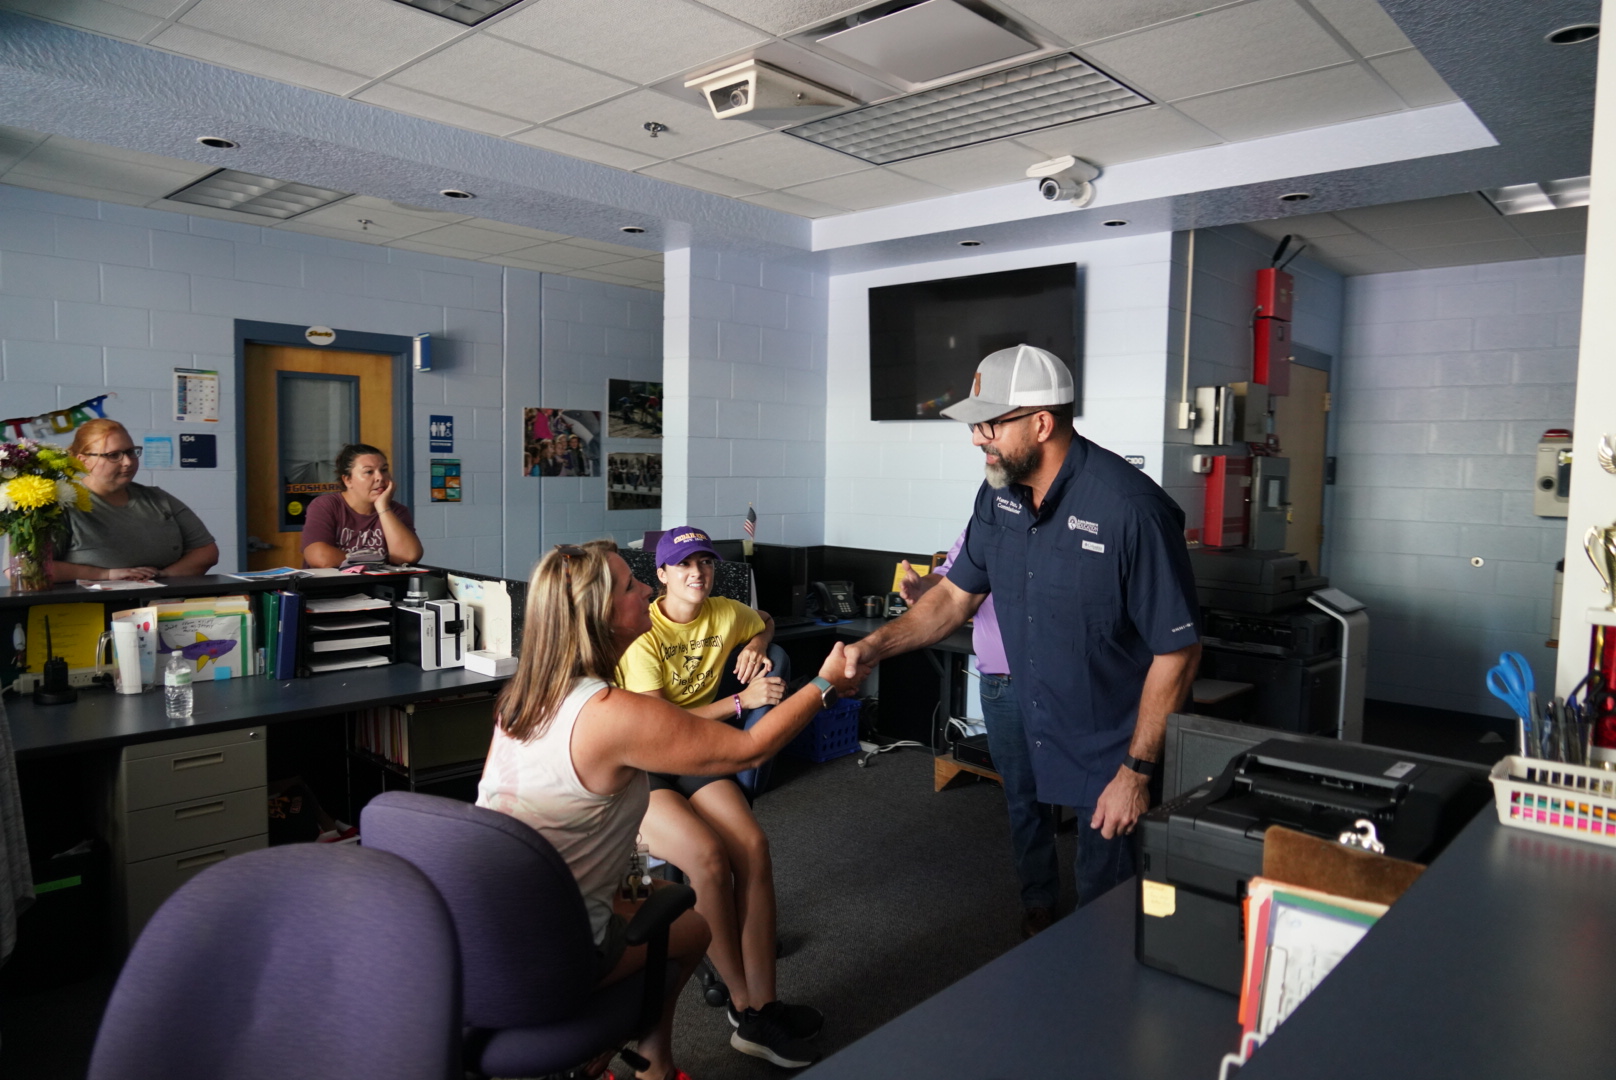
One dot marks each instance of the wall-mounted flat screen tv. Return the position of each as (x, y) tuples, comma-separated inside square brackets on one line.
[(926, 337)]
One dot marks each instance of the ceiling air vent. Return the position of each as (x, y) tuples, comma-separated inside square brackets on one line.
[(1531, 198), (246, 193), (1054, 90), (465, 12)]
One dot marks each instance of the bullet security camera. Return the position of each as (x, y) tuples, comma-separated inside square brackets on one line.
[(1065, 179)]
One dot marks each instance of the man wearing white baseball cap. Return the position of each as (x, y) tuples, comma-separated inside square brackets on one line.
[(1084, 555)]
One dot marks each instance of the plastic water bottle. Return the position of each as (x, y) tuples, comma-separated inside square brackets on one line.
[(177, 686)]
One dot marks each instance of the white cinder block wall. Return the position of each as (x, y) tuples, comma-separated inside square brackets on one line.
[(909, 485), (98, 297), (1449, 378), (744, 374)]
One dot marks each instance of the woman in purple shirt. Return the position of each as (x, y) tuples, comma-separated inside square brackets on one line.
[(362, 517)]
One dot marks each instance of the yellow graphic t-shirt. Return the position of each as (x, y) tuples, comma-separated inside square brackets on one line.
[(686, 660)]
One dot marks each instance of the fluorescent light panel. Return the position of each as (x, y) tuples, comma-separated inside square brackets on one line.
[(246, 193), (1531, 198), (466, 12), (1044, 93)]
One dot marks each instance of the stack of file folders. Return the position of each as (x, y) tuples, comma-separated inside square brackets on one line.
[(283, 617)]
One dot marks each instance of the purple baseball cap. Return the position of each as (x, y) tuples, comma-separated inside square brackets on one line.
[(680, 543)]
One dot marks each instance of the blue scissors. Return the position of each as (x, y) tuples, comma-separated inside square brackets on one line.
[(1511, 682)]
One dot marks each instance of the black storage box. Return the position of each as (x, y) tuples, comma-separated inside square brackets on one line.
[(1198, 851), (1244, 579)]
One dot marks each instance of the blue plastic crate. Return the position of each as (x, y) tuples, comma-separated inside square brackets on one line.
[(832, 733)]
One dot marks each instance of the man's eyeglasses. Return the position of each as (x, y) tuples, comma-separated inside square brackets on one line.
[(133, 453), (987, 428)]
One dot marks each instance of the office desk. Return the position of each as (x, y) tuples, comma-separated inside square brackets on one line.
[(1499, 962), (1070, 1003)]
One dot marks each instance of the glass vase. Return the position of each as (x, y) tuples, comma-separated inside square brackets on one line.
[(29, 568)]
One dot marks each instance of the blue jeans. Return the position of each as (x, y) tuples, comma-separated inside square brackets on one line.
[(753, 782), (1032, 826), (1101, 864)]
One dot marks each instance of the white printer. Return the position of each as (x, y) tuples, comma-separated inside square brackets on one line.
[(432, 634)]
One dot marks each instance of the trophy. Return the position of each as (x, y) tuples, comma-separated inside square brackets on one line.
[(1600, 544)]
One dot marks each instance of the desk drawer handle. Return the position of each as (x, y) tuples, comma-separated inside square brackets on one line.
[(202, 860), (200, 810), (198, 760)]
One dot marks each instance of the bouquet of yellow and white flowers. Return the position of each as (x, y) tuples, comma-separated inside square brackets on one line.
[(38, 482)]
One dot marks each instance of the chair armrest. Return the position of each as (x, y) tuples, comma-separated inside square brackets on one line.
[(657, 914)]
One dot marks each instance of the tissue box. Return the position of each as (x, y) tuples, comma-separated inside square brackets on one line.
[(486, 663)]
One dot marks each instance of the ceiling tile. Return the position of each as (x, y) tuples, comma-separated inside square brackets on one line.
[(217, 212), (1126, 136), (55, 162), (1292, 104), (638, 269), (1372, 219), (514, 259), (787, 16), (1412, 76), (415, 103), (255, 61), (1308, 225), (426, 214), (609, 279), (387, 223), (1230, 47), (775, 161), (621, 251), (412, 244), (1372, 264), (1346, 245), (58, 186), (110, 19), (1563, 244), (563, 142), (470, 238), (61, 144), (507, 78), (537, 236), (568, 255), (676, 173), (162, 9), (867, 190), (792, 204), (1467, 254), (1083, 21), (13, 150), (972, 168), (622, 121), (1365, 24), (368, 36), (1571, 221), (1446, 233), (639, 40)]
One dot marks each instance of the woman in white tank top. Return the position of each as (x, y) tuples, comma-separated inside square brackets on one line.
[(571, 752)]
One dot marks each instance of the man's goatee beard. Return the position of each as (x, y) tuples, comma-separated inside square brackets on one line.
[(1010, 470)]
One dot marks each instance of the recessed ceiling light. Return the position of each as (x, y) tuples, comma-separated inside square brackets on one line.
[(248, 193), (1530, 198), (1295, 196), (1114, 222), (456, 193), (632, 230), (216, 142), (970, 243), (465, 12), (1574, 34)]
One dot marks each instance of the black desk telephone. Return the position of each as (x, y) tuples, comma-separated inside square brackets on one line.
[(834, 599)]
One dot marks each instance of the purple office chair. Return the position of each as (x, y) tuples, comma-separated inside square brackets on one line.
[(527, 953), (309, 960)]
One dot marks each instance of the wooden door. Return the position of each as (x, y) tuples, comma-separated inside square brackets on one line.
[(1299, 419), (302, 406)]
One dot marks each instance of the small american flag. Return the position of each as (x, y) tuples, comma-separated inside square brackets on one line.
[(750, 524)]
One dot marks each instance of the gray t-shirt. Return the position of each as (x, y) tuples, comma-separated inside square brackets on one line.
[(152, 529)]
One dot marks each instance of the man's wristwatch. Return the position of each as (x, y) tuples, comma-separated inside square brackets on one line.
[(827, 690), (1140, 766)]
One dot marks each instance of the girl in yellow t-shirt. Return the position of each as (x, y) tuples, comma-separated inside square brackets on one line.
[(704, 824)]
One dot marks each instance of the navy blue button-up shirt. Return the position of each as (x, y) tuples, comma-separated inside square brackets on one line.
[(1089, 589)]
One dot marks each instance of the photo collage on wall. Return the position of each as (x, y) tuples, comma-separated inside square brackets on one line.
[(561, 442), (567, 442)]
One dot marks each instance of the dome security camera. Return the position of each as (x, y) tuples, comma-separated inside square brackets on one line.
[(1065, 179)]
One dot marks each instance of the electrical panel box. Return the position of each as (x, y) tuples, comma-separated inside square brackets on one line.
[(1228, 489), (1275, 288), (1271, 360), (1270, 502), (1551, 494), (1250, 412), (1214, 417)]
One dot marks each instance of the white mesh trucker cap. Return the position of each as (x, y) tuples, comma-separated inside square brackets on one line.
[(1015, 378)]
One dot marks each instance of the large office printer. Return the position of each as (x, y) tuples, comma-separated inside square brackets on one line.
[(1199, 850)]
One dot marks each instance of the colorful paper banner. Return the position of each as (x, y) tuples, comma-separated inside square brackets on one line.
[(60, 422)]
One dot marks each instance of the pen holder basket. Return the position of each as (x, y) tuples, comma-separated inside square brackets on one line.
[(1558, 799), (832, 733)]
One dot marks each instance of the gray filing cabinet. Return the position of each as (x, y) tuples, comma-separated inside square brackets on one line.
[(178, 806)]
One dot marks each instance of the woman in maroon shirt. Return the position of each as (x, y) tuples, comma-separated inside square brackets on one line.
[(362, 517)]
